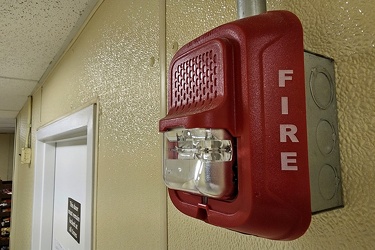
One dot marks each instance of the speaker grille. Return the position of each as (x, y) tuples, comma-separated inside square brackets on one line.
[(197, 78)]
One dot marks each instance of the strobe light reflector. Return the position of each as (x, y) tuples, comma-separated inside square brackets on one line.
[(199, 161)]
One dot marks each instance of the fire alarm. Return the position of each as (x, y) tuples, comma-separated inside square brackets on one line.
[(235, 152)]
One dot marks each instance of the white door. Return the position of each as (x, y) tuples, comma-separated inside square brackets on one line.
[(64, 183), (69, 213)]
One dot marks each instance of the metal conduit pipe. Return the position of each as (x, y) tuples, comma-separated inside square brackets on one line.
[(246, 8)]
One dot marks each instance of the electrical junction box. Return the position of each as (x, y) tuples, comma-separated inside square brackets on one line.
[(25, 155), (236, 140), (323, 138)]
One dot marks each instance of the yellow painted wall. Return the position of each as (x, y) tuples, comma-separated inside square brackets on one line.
[(23, 184), (115, 61), (111, 62), (6, 156)]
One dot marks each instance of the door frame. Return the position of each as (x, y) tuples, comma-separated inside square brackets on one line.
[(81, 124)]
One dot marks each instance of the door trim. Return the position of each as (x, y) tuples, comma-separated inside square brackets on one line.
[(81, 124)]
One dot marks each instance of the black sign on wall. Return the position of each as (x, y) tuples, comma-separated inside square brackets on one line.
[(74, 219)]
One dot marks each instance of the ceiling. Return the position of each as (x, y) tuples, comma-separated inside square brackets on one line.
[(33, 36)]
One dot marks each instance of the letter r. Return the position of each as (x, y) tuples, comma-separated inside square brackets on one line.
[(288, 130)]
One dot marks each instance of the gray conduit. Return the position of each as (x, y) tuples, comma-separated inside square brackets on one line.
[(246, 8)]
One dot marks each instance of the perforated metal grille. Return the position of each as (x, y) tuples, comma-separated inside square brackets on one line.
[(197, 79)]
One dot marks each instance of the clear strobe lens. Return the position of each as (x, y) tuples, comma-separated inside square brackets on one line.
[(199, 161)]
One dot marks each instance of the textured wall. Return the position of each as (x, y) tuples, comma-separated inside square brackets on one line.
[(111, 61), (6, 156), (343, 30), (115, 62), (23, 181)]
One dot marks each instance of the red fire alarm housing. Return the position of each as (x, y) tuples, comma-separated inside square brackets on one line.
[(235, 133)]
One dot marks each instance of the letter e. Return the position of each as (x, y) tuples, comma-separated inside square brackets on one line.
[(286, 159)]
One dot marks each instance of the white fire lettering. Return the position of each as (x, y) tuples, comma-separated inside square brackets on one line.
[(283, 77), (288, 130), (288, 159)]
